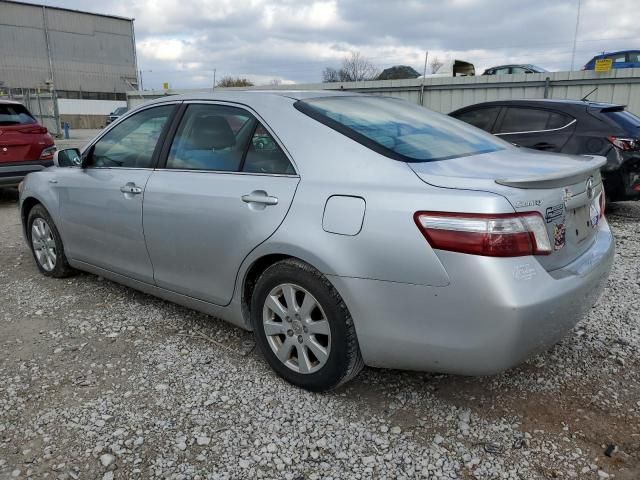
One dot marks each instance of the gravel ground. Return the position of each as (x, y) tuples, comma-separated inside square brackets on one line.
[(100, 381)]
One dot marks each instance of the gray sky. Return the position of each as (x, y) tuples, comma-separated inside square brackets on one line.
[(181, 42)]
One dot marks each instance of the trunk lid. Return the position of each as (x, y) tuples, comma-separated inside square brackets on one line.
[(564, 189), (22, 142)]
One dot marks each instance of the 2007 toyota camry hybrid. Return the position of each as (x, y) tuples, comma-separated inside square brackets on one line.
[(344, 230)]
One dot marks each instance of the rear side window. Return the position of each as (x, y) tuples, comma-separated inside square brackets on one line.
[(15, 114), (520, 119), (483, 118), (634, 57), (625, 119), (398, 129), (225, 139)]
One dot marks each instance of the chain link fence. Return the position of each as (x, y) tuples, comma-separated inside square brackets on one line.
[(43, 105)]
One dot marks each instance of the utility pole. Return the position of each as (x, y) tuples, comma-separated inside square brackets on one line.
[(575, 37), (424, 74), (214, 81)]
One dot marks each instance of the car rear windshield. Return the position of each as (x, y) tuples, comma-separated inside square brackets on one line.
[(14, 114), (625, 119), (399, 129)]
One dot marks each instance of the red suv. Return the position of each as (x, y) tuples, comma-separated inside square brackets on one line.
[(25, 145)]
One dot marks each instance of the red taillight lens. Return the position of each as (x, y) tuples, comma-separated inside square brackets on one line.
[(33, 129), (491, 235), (603, 203), (47, 153), (625, 144)]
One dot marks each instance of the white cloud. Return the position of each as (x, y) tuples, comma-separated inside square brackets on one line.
[(183, 42)]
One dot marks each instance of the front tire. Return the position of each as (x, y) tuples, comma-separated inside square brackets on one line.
[(303, 327), (46, 244)]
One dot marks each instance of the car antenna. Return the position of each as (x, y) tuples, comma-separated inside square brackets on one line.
[(584, 99)]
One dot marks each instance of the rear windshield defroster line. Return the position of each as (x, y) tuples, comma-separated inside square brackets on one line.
[(398, 129)]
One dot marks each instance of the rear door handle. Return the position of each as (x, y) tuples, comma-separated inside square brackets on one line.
[(131, 188), (259, 196)]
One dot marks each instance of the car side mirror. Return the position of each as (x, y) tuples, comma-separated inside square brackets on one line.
[(69, 157)]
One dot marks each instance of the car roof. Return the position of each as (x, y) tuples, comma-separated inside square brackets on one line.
[(606, 54), (9, 102), (548, 102), (515, 65), (242, 96)]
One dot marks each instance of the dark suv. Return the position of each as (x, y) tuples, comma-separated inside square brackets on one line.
[(569, 126)]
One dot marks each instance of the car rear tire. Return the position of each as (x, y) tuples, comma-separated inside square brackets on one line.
[(46, 244), (303, 327)]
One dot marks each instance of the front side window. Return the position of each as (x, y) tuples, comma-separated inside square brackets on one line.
[(131, 143), (399, 129), (227, 139), (483, 118)]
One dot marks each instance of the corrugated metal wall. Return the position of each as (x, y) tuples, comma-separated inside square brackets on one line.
[(90, 53), (445, 94)]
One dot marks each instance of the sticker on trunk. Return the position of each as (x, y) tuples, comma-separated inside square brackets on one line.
[(553, 213), (559, 236), (594, 215)]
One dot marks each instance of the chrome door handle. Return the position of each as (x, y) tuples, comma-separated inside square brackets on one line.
[(131, 188), (259, 196)]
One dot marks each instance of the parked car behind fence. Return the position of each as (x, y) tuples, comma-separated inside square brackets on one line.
[(569, 126)]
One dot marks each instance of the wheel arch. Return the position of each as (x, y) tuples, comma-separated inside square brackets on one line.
[(258, 264), (26, 207)]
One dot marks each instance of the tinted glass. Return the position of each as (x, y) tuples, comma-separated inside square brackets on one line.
[(520, 70), (14, 114), (265, 156), (558, 120), (483, 118), (634, 57), (524, 120), (625, 119), (130, 144), (399, 129), (211, 137), (621, 58)]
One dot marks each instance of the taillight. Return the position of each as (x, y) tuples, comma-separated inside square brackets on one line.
[(491, 235), (47, 153), (625, 144), (603, 202), (33, 129)]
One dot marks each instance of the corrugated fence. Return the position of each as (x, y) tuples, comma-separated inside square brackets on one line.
[(445, 94)]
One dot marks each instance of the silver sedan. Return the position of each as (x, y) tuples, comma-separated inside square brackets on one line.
[(343, 230)]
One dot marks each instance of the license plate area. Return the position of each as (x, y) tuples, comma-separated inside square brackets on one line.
[(580, 224)]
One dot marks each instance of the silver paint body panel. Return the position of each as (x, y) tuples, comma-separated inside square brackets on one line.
[(413, 307)]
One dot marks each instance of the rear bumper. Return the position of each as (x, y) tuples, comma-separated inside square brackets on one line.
[(495, 313), (11, 174)]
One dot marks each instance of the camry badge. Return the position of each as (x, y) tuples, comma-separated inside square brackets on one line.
[(590, 188)]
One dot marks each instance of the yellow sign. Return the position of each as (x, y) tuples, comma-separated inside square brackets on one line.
[(604, 65), (165, 86)]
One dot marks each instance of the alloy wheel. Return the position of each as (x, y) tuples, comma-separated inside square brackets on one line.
[(44, 244), (296, 328)]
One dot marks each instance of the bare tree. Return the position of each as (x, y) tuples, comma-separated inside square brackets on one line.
[(354, 68), (330, 75), (435, 64), (274, 82), (234, 82), (357, 68)]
